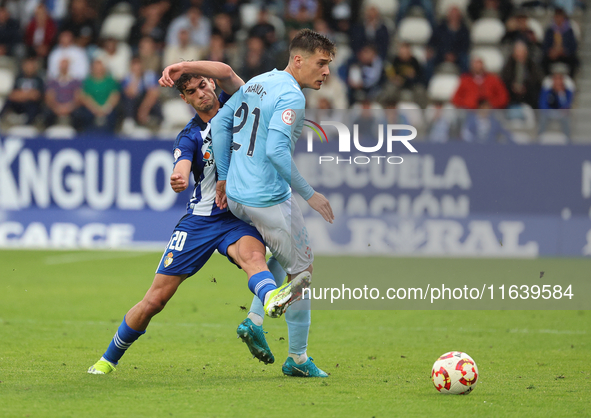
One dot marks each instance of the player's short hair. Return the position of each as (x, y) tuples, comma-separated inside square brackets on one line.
[(183, 80), (309, 41)]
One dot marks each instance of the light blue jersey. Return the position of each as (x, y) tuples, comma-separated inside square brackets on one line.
[(269, 102)]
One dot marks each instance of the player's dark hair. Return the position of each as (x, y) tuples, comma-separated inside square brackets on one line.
[(183, 80), (309, 41)]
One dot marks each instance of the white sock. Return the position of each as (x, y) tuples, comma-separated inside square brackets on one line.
[(255, 318), (299, 358)]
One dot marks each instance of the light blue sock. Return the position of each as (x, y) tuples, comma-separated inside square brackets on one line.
[(298, 317), (122, 340), (278, 273)]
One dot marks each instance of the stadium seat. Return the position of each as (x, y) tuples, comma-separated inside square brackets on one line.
[(553, 138), (444, 5), (449, 112), (415, 30), (176, 114), (386, 8), (521, 137), (249, 15), (525, 120), (487, 31), (442, 87), (576, 29), (60, 132), (412, 111), (23, 131), (278, 24), (420, 53), (9, 63), (7, 76), (491, 56), (117, 26), (537, 28)]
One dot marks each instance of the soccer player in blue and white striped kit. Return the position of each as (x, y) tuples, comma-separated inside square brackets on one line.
[(253, 139), (206, 226)]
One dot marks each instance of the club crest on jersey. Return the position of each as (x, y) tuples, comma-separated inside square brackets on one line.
[(288, 116), (176, 154), (168, 260)]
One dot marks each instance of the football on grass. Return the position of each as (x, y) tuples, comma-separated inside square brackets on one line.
[(455, 373)]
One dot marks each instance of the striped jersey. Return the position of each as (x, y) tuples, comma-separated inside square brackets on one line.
[(193, 143)]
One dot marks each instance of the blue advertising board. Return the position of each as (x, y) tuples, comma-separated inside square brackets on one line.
[(453, 199)]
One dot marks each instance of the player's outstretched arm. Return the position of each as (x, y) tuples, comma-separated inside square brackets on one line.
[(179, 179), (222, 73), (278, 152)]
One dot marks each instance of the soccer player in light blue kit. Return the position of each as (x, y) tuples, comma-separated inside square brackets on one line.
[(254, 137), (206, 226)]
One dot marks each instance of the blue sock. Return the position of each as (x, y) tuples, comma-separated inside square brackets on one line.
[(279, 275), (261, 283), (122, 340)]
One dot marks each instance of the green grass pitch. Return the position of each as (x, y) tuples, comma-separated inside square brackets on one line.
[(59, 310)]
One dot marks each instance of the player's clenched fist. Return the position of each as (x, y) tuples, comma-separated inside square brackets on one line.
[(178, 183)]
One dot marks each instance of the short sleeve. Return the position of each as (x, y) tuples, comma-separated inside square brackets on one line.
[(289, 112), (185, 146), (223, 97)]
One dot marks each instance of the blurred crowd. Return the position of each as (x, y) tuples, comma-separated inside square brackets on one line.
[(447, 65)]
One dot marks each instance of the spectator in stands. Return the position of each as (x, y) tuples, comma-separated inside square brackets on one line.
[(364, 74), (405, 71), (198, 25), (264, 29), (151, 24), (449, 42), (337, 14), (255, 61), (500, 9), (116, 57), (405, 5), (183, 51), (560, 44), (371, 30), (368, 115), (477, 86), (440, 122), (217, 49), (483, 127), (40, 32), (321, 26), (301, 13), (62, 96), (27, 94), (522, 76), (518, 29), (100, 97), (555, 101), (333, 90), (10, 34), (140, 94), (150, 55), (67, 49), (81, 22), (224, 26)]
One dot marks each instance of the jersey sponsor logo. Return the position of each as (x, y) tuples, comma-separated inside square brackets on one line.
[(176, 154), (288, 116), (168, 260)]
